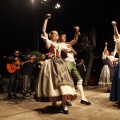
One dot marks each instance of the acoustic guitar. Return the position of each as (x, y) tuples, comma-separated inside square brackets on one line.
[(12, 67)]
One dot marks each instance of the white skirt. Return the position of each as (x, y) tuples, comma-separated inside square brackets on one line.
[(104, 79), (46, 91)]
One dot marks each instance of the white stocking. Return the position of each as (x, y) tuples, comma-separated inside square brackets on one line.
[(80, 89), (64, 105)]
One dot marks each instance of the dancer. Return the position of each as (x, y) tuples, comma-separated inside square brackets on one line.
[(112, 61), (104, 79), (70, 61), (115, 88), (107, 72), (54, 83)]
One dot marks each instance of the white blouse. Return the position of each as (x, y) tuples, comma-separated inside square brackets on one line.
[(57, 46)]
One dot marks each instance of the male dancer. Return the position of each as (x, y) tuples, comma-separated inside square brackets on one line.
[(70, 61)]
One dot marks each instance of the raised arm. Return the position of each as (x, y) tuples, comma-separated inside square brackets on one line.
[(105, 49), (105, 52), (116, 33), (75, 39), (47, 16)]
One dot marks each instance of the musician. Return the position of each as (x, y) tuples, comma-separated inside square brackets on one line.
[(41, 61), (81, 68), (27, 67), (38, 63), (14, 71)]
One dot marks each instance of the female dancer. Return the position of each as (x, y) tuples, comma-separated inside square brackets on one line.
[(105, 72), (54, 83), (115, 88)]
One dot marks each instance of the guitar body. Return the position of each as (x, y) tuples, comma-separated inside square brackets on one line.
[(17, 64), (11, 68)]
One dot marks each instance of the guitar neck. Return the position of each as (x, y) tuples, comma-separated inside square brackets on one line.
[(25, 61), (31, 60)]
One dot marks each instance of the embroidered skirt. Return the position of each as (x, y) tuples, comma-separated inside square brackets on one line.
[(55, 82)]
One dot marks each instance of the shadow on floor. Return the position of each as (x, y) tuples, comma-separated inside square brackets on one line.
[(49, 110)]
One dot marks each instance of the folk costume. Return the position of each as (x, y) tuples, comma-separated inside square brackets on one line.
[(115, 89), (55, 82), (104, 79)]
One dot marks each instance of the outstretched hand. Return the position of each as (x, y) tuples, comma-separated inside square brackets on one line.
[(47, 16), (77, 29), (114, 23), (49, 55)]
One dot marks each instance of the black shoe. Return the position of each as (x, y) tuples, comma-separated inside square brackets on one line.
[(85, 102), (118, 103), (14, 95), (64, 111), (24, 94), (108, 91), (68, 103)]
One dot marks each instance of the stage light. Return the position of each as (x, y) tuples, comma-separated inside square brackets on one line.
[(32, 1), (57, 6), (43, 1), (39, 1), (47, 3)]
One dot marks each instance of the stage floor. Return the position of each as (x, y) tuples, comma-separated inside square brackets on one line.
[(28, 109)]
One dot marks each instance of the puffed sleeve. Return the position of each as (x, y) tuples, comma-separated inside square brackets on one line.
[(46, 40)]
